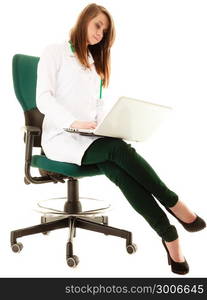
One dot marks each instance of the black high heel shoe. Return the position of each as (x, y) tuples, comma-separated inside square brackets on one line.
[(180, 268), (197, 225)]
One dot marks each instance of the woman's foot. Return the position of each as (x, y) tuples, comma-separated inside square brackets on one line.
[(178, 263), (190, 221), (175, 250), (183, 212)]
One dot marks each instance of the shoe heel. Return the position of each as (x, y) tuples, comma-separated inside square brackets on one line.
[(168, 255), (176, 267), (169, 260)]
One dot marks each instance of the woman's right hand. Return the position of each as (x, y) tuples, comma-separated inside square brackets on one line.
[(83, 125)]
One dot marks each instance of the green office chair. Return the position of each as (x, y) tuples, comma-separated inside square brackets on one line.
[(24, 69)]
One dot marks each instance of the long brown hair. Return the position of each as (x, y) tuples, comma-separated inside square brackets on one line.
[(99, 51)]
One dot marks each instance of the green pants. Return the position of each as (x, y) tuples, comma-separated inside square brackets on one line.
[(137, 180)]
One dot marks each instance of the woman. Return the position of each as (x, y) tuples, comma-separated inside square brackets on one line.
[(69, 81)]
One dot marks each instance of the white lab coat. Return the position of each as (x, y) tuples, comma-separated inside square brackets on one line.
[(65, 92)]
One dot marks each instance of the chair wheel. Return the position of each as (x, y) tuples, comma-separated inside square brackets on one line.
[(17, 247), (73, 261), (45, 232), (26, 181), (131, 248)]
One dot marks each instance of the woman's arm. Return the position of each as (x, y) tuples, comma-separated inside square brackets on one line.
[(48, 66)]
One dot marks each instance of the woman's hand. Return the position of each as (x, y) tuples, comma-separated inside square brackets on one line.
[(83, 125)]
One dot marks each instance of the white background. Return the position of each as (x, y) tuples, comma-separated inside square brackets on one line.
[(160, 56)]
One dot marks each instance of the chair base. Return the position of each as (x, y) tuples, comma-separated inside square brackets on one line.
[(98, 224), (72, 217)]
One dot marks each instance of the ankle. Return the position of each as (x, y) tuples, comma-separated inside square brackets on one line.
[(181, 211), (175, 250)]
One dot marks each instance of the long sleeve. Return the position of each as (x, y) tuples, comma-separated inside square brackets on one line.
[(45, 91)]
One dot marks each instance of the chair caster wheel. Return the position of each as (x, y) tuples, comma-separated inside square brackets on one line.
[(73, 261), (17, 247), (26, 181), (131, 248), (46, 232)]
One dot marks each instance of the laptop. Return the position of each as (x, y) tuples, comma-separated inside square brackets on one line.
[(129, 119)]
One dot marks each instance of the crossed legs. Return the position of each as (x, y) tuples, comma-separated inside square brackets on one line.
[(140, 184)]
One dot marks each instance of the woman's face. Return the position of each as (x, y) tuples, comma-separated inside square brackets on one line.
[(96, 28)]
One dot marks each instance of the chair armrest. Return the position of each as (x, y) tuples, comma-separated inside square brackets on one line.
[(30, 133)]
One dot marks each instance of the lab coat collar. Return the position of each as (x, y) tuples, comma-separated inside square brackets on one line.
[(72, 54)]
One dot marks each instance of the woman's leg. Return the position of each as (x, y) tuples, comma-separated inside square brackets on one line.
[(141, 200), (123, 155), (144, 203)]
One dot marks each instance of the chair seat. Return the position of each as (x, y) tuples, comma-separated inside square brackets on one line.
[(67, 169)]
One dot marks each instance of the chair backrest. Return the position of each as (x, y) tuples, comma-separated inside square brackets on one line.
[(24, 72)]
